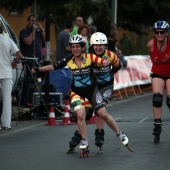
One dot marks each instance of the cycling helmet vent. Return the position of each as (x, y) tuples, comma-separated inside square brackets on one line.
[(77, 39), (161, 25)]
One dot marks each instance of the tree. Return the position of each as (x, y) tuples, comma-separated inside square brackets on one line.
[(137, 15), (60, 11)]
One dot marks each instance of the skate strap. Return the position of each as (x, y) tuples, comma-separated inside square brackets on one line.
[(158, 123)]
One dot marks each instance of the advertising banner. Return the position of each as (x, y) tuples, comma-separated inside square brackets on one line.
[(136, 73)]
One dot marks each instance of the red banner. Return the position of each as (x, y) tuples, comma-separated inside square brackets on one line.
[(136, 73)]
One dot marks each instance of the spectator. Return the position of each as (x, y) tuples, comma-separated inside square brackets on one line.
[(77, 23), (125, 44), (63, 45), (93, 28), (112, 44), (84, 30), (31, 40), (7, 48)]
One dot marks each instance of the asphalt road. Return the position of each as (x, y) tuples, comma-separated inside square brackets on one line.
[(31, 145)]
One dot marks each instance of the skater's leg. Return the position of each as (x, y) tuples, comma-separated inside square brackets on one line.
[(158, 85), (157, 130), (99, 132), (81, 122), (99, 123), (99, 137), (75, 140), (112, 124), (108, 119), (158, 127)]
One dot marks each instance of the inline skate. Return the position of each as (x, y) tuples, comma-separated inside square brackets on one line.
[(75, 140), (157, 130), (99, 139), (123, 138), (84, 148)]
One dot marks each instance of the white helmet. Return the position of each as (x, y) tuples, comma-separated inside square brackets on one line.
[(98, 38), (77, 39)]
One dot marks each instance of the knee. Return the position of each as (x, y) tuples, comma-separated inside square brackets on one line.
[(157, 100), (102, 113), (80, 117)]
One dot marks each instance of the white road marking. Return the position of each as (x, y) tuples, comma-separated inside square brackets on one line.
[(143, 120)]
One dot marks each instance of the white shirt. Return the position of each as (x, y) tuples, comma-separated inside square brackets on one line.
[(7, 49)]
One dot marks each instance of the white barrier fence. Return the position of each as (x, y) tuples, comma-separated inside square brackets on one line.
[(136, 73)]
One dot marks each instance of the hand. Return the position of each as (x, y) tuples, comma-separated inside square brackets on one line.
[(14, 64), (106, 63), (34, 70), (35, 26), (39, 26), (119, 52)]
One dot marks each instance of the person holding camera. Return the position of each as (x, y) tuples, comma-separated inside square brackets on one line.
[(31, 40)]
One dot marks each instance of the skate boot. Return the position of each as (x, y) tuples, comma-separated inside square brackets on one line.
[(157, 130), (84, 148), (75, 140), (99, 139), (123, 138)]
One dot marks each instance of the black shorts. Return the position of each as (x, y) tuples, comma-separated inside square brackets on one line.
[(106, 91), (153, 75)]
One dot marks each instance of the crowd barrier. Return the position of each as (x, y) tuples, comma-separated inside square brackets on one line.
[(137, 73)]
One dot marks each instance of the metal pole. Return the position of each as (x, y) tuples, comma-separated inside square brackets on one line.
[(114, 11), (47, 54)]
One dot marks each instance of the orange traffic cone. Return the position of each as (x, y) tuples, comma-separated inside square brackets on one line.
[(92, 120), (51, 118), (67, 104), (66, 118)]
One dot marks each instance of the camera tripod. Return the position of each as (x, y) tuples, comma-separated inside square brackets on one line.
[(26, 77), (43, 107)]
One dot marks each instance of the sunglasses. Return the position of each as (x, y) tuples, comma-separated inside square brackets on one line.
[(161, 32)]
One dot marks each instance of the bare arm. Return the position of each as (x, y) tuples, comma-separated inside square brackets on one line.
[(42, 69), (150, 47), (16, 60)]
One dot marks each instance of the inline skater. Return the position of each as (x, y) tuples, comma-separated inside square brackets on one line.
[(104, 78), (159, 50), (84, 86)]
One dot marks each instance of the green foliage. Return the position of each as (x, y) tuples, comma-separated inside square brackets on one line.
[(134, 15)]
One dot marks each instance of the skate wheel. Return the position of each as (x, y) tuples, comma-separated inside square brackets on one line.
[(156, 139), (70, 150), (99, 149), (84, 153)]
